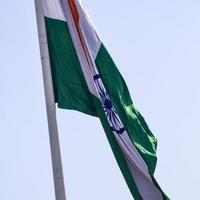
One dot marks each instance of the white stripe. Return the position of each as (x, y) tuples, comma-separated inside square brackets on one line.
[(131, 153), (143, 181), (53, 9), (146, 188), (78, 48), (88, 30), (136, 164)]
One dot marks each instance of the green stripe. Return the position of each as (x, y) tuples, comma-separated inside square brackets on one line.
[(71, 92), (116, 150), (65, 70), (70, 88), (134, 123)]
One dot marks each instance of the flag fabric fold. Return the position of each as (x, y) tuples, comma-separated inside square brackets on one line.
[(86, 79)]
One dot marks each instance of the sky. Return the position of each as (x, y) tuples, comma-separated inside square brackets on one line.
[(156, 46)]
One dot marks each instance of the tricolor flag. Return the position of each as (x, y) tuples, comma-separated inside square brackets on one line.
[(86, 79)]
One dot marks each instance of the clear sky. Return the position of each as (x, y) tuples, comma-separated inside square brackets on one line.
[(156, 46)]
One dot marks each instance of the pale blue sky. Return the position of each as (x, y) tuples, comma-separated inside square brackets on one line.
[(156, 45)]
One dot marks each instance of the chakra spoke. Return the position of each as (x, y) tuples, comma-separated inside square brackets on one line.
[(110, 116), (116, 118)]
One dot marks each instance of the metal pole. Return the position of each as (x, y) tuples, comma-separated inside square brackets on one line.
[(50, 104)]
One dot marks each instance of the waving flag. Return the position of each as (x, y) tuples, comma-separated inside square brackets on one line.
[(86, 79)]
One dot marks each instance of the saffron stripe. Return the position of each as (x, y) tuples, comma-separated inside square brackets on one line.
[(75, 15)]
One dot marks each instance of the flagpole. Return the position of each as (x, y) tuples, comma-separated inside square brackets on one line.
[(50, 105)]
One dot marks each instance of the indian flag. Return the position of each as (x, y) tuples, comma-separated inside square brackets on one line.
[(86, 79)]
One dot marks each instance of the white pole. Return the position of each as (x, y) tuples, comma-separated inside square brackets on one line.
[(50, 104)]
